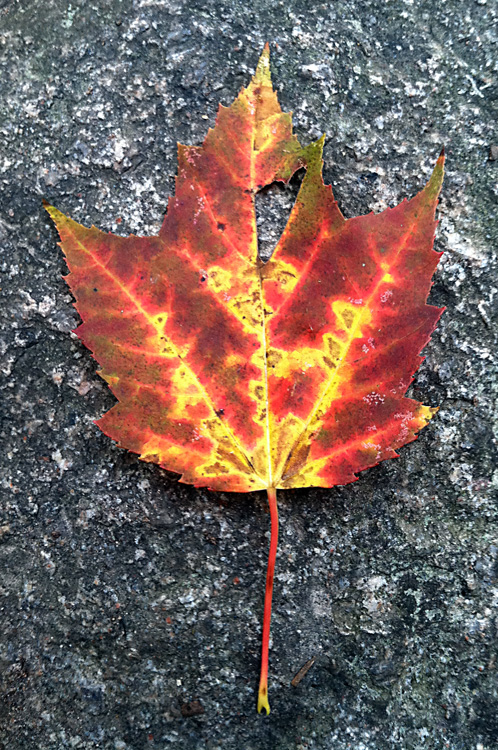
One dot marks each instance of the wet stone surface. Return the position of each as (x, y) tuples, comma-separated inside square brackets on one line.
[(130, 606)]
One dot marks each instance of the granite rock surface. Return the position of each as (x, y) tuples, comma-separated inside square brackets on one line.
[(130, 605)]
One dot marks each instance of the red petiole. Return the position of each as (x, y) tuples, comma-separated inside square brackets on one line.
[(263, 680)]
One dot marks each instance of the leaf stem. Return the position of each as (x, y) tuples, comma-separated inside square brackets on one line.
[(263, 680)]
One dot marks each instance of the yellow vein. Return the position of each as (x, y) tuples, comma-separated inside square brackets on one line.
[(344, 448), (252, 174), (267, 402), (150, 320), (332, 381)]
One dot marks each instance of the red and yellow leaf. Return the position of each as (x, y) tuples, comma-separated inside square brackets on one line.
[(241, 375)]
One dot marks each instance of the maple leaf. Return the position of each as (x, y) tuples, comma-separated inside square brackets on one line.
[(241, 375)]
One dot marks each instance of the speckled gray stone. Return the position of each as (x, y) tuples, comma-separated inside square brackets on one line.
[(130, 605)]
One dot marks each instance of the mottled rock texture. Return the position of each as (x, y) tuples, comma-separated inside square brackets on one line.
[(130, 606)]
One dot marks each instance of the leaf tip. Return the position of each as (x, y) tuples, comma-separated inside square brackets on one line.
[(48, 208), (440, 162), (263, 67), (52, 211), (434, 185)]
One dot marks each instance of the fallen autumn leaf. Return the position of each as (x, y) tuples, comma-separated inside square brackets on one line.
[(242, 375)]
